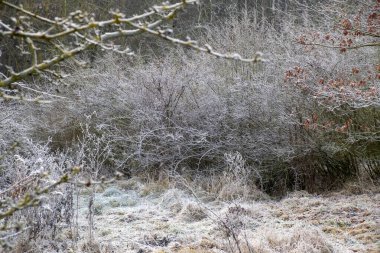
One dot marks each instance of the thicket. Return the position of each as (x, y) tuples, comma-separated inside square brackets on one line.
[(308, 119)]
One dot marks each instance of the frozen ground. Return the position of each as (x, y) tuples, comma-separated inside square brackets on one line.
[(133, 217)]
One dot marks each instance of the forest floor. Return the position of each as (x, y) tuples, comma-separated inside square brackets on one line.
[(133, 217)]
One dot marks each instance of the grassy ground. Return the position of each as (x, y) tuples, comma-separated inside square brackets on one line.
[(135, 217)]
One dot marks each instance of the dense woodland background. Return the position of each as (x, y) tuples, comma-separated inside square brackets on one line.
[(307, 119)]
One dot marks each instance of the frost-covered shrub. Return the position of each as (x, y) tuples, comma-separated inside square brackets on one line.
[(26, 171), (182, 111)]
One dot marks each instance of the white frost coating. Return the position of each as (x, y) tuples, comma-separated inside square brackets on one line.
[(176, 221)]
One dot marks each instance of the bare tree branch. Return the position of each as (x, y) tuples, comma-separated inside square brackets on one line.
[(86, 32)]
